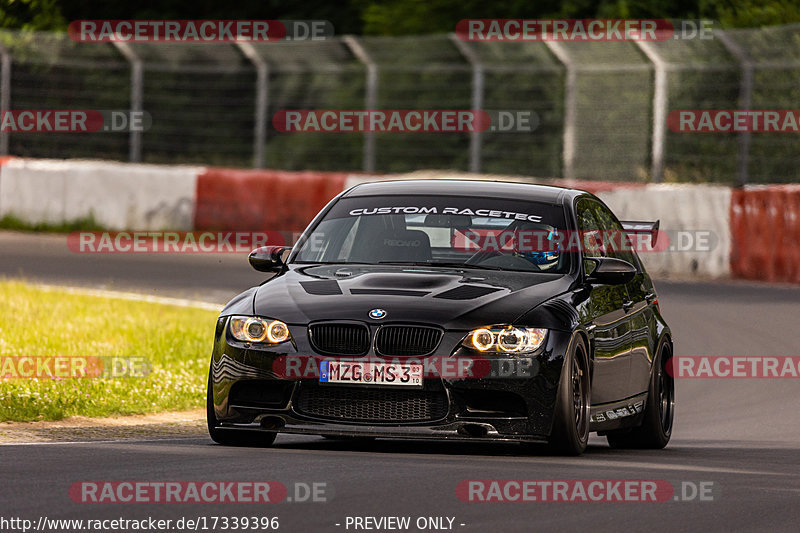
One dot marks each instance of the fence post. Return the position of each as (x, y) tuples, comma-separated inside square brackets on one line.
[(137, 91), (570, 107), (5, 93), (371, 97), (745, 102), (660, 98), (478, 79), (262, 102)]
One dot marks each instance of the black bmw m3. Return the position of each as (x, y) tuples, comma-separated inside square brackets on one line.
[(447, 309)]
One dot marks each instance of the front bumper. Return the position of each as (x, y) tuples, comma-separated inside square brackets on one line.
[(514, 402)]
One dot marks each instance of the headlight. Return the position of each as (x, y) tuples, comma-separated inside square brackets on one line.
[(505, 339), (255, 329)]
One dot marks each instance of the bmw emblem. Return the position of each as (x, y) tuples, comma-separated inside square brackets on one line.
[(377, 314)]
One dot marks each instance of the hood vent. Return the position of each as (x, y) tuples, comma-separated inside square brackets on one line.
[(322, 288), (466, 292), (389, 292)]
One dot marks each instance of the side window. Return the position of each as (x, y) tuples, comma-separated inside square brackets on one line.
[(617, 243), (589, 230)]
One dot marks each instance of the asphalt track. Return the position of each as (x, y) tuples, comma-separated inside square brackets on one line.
[(743, 436)]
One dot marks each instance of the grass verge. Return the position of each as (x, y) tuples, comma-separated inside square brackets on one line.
[(45, 323), (11, 222)]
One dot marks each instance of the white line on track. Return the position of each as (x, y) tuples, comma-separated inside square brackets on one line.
[(594, 463), (776, 489), (133, 296), (104, 441)]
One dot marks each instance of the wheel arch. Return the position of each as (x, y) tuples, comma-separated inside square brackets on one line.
[(589, 348), (664, 339)]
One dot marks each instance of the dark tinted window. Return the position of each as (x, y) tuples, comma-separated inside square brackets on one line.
[(481, 232), (621, 245), (591, 237)]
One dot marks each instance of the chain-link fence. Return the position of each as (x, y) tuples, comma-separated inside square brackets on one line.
[(602, 107)]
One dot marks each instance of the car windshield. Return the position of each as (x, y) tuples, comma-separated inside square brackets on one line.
[(444, 231)]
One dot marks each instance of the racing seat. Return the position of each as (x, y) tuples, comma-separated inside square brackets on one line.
[(394, 245)]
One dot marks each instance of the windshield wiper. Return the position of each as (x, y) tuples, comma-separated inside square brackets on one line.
[(343, 263), (439, 264)]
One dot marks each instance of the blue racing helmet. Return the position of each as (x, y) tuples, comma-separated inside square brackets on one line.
[(545, 252)]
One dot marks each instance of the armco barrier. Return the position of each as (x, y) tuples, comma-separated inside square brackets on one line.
[(755, 230), (765, 224), (697, 211), (230, 199), (118, 195)]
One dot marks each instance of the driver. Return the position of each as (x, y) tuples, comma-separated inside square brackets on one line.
[(538, 244)]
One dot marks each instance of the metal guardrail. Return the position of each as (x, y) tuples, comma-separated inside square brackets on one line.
[(601, 107)]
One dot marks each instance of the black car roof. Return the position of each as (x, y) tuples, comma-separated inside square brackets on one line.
[(461, 187)]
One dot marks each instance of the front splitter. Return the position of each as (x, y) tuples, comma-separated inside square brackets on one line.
[(461, 430)]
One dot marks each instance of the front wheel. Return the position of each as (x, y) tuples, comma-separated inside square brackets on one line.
[(232, 437), (570, 432), (656, 428)]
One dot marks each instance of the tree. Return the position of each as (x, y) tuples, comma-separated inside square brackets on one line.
[(393, 17), (32, 15)]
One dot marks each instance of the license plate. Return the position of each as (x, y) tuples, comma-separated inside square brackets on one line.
[(387, 374)]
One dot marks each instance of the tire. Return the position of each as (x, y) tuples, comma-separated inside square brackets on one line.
[(656, 428), (570, 433), (232, 437)]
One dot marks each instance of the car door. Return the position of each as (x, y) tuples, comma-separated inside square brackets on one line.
[(607, 320), (643, 332), (639, 306)]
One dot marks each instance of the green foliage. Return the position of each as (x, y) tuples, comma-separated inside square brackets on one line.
[(12, 222), (394, 17), (32, 14), (752, 13), (412, 17)]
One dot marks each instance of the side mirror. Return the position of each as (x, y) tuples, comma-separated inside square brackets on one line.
[(269, 258), (609, 271)]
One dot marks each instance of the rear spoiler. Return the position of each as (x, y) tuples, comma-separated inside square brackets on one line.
[(637, 226)]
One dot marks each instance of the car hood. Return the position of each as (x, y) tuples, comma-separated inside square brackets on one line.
[(452, 298)]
